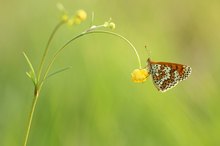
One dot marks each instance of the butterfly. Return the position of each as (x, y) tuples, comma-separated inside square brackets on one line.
[(167, 75)]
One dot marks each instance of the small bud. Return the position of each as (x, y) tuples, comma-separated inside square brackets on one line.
[(60, 7), (81, 15), (65, 18), (112, 25), (109, 24), (70, 22), (139, 75), (76, 21)]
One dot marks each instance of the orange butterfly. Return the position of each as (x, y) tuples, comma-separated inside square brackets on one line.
[(166, 75)]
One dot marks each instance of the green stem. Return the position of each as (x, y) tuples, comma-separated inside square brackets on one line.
[(39, 84), (47, 48), (80, 35), (36, 95), (120, 36), (37, 91)]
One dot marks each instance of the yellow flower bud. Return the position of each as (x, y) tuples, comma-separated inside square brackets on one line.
[(112, 25), (65, 18), (77, 20), (70, 22), (81, 15), (139, 75)]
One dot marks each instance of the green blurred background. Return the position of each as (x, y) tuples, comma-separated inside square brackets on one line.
[(95, 103)]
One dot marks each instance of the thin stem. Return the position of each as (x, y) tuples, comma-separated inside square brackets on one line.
[(80, 35), (54, 57), (37, 91), (36, 95), (47, 48), (39, 85)]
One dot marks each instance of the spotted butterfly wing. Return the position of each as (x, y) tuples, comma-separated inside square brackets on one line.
[(167, 75)]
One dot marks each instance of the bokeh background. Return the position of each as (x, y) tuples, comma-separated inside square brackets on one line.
[(95, 103)]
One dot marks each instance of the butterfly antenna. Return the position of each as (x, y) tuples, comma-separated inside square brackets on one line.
[(148, 52)]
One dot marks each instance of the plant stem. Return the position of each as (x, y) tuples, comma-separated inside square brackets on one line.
[(47, 48), (36, 95), (80, 35), (37, 90), (40, 83)]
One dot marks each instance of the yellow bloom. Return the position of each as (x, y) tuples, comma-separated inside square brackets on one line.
[(139, 75), (81, 15)]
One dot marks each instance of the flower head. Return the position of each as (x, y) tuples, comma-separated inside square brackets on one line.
[(139, 75), (81, 15), (77, 18)]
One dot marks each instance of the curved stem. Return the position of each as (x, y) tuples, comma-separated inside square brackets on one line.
[(31, 117), (120, 36), (39, 85), (47, 48), (80, 35), (54, 57)]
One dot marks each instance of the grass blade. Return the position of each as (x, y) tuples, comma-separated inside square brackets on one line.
[(58, 71), (31, 67), (30, 76)]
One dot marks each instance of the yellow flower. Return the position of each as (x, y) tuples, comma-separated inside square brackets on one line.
[(81, 15), (139, 75)]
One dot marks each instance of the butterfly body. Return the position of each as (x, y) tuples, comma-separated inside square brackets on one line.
[(166, 75)]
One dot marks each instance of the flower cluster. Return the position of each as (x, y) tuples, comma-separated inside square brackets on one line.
[(138, 75), (109, 24), (77, 18)]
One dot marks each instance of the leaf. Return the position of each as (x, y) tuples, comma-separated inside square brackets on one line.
[(28, 74), (58, 71), (33, 78)]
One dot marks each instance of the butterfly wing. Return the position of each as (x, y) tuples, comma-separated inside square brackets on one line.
[(167, 75)]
